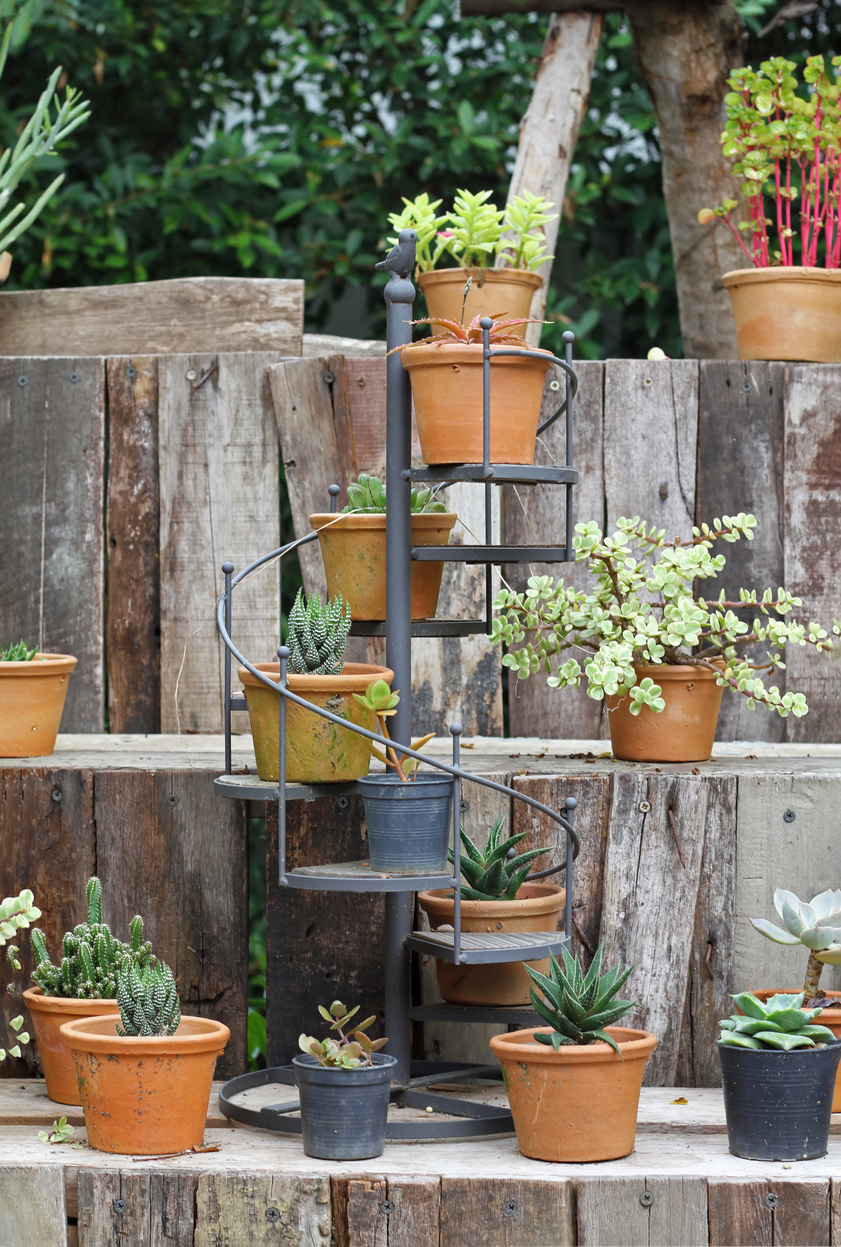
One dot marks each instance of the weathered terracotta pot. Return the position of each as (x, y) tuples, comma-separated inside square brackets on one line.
[(353, 550), (447, 393), (145, 1097), (31, 701), (537, 907), (578, 1104), (493, 292), (787, 313), (49, 1013), (317, 752), (682, 732), (826, 1017)]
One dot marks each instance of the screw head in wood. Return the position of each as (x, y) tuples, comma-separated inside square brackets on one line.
[(191, 375), (56, 795), (789, 816), (21, 381), (131, 372), (272, 1214), (386, 1207), (119, 1205), (646, 1199), (554, 385), (342, 803), (172, 799), (74, 376), (644, 807), (510, 1207), (647, 381), (771, 1200)]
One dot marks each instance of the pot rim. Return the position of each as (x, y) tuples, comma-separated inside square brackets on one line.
[(424, 777), (675, 671), (441, 901), (87, 1035), (37, 1002), (782, 272), (43, 664), (441, 275), (381, 1060), (469, 353), (359, 676), (519, 1046), (428, 519)]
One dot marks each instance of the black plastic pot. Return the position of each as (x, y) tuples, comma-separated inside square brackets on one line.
[(778, 1104), (344, 1112), (408, 823)]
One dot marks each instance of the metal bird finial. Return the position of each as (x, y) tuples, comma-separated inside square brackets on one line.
[(401, 258)]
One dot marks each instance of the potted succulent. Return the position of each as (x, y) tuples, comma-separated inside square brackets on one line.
[(317, 751), (33, 687), (496, 897), (344, 1085), (659, 655), (353, 549), (496, 249), (145, 1076), (17, 913), (82, 985), (785, 303), (446, 372), (574, 1085), (778, 1069)]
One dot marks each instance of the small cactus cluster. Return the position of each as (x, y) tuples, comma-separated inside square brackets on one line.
[(92, 958), (317, 635), (148, 1000)]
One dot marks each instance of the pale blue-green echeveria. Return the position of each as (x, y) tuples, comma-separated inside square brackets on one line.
[(816, 925)]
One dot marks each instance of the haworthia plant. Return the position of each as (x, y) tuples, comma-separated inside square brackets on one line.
[(367, 497), (317, 635), (148, 1000)]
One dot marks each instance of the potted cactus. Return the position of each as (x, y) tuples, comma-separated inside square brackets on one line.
[(82, 985), (317, 751), (344, 1085), (495, 897), (353, 549), (778, 1070), (33, 688), (574, 1085)]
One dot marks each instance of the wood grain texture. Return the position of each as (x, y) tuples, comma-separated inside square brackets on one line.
[(835, 1212), (32, 1206), (676, 1217), (738, 1214), (415, 1216), (802, 1216), (219, 485), (184, 315), (367, 1224), (133, 585), (320, 344), (114, 1207), (52, 466), (172, 1202), (231, 1210), (513, 1213)]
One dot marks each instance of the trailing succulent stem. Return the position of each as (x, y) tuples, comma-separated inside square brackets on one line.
[(317, 635), (367, 497), (16, 914), (579, 1006), (491, 875), (148, 1000), (346, 1053)]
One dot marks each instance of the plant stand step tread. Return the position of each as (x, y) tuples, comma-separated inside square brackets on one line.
[(493, 947), (501, 474), (359, 877)]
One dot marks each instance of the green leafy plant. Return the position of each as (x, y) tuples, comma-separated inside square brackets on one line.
[(380, 699), (643, 611), (92, 958), (60, 1132), (18, 653), (447, 331), (523, 242), (475, 231), (779, 1022), (490, 874), (17, 913), (345, 1052), (576, 1005), (816, 926), (317, 635), (148, 1000), (367, 497)]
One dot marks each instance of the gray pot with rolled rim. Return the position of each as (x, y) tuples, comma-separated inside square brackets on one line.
[(408, 823), (344, 1112)]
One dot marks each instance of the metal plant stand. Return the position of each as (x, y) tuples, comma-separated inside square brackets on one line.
[(464, 1118)]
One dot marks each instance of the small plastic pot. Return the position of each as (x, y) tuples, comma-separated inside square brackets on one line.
[(831, 1018), (408, 823), (778, 1104), (344, 1112)]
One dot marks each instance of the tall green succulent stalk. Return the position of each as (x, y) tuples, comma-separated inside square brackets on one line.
[(148, 1000), (317, 635)]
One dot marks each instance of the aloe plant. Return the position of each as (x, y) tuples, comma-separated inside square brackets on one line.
[(576, 1005), (18, 653), (317, 635), (491, 875), (367, 497), (148, 1000), (815, 926), (778, 1022), (345, 1052)]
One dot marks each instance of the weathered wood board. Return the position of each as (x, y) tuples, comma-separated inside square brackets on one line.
[(32, 1206)]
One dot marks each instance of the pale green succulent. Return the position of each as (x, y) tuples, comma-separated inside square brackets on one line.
[(816, 925)]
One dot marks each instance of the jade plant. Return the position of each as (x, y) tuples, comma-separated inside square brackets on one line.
[(18, 653), (148, 1000), (317, 634), (17, 913), (380, 699), (576, 1005), (491, 874), (815, 926), (347, 1051), (475, 232), (92, 958), (367, 497), (779, 1022), (643, 610)]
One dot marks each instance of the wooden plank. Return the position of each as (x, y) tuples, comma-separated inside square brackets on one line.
[(507, 1213), (740, 468), (52, 456), (414, 1219), (367, 1222), (172, 1201), (835, 1212), (114, 1207), (32, 1206), (180, 316), (812, 532), (23, 1102), (231, 1210), (170, 850), (738, 1214), (802, 1215), (317, 345), (799, 1217), (675, 1217), (133, 590), (220, 500)]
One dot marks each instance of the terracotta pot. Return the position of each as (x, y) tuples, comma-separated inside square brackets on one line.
[(577, 1104), (826, 1017), (493, 292), (537, 907), (49, 1013), (682, 732), (353, 550), (447, 393), (145, 1097), (31, 701), (317, 752), (787, 313)]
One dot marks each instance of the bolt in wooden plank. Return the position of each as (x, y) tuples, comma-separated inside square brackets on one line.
[(414, 1220), (114, 1207), (802, 1215), (738, 1214), (513, 1213), (32, 1206), (262, 1210), (52, 455), (651, 1211)]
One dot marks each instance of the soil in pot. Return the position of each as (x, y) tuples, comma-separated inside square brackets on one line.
[(492, 292), (684, 731), (447, 394), (145, 1097), (353, 550), (827, 1017), (408, 823), (787, 313), (49, 1013), (317, 751), (31, 702), (344, 1112), (537, 907), (578, 1104)]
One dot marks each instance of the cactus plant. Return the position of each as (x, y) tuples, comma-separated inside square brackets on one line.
[(16, 914), (779, 1022), (346, 1053), (148, 1000), (816, 926), (577, 1006), (491, 875), (317, 635), (367, 497)]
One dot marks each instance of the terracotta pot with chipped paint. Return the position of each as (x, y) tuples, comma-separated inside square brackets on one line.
[(684, 731), (31, 703), (787, 312), (493, 292), (579, 1104), (145, 1097), (49, 1013), (827, 1017), (536, 907)]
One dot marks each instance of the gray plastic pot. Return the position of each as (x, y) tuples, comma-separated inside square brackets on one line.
[(408, 823), (778, 1104), (344, 1112)]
